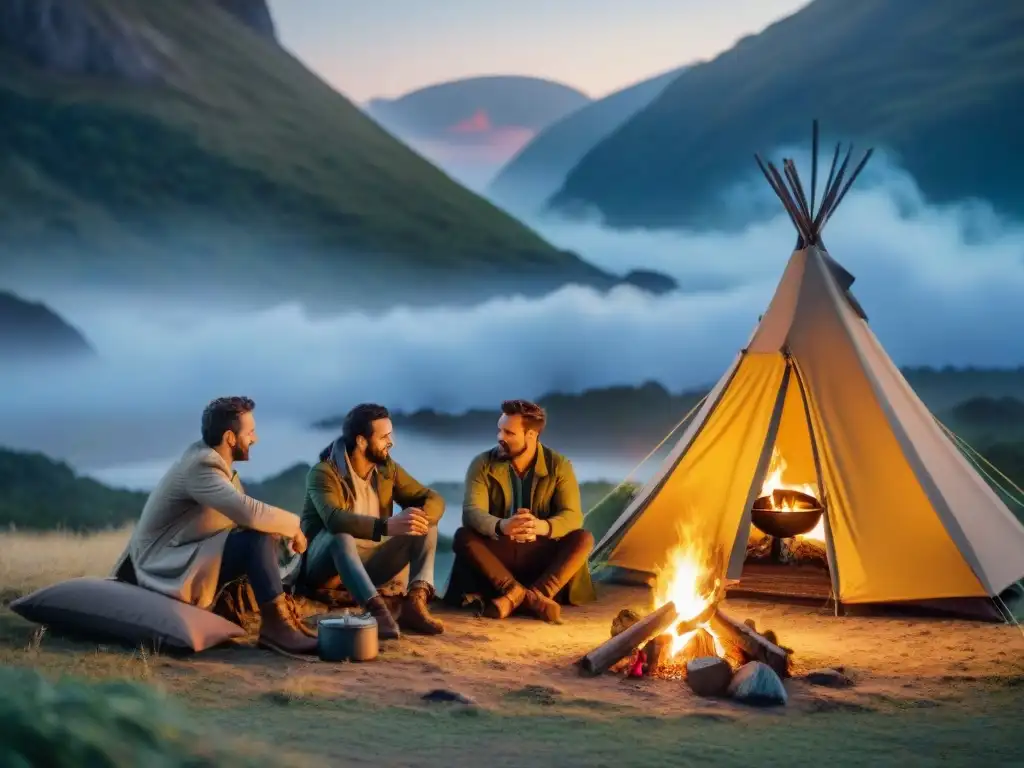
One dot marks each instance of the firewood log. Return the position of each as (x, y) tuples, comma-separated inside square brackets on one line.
[(755, 646), (699, 646), (624, 643), (659, 650)]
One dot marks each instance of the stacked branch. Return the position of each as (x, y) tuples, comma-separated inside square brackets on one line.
[(809, 221)]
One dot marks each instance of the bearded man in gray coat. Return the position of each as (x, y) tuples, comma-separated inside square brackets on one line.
[(199, 530)]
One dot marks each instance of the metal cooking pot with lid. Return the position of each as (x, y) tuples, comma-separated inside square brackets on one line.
[(347, 638)]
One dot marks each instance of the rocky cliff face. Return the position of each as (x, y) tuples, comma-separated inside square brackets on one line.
[(80, 37), (255, 14), (84, 39)]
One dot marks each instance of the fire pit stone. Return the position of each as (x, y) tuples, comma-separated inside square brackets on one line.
[(708, 676), (756, 683)]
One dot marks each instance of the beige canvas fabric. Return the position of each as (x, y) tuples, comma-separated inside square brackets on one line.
[(705, 492), (909, 518)]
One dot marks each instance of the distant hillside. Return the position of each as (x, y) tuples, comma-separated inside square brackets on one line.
[(31, 330), (540, 168), (632, 420), (934, 83), (176, 146), (462, 108), (629, 421), (38, 493), (471, 127)]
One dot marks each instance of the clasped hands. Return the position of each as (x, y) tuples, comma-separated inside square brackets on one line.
[(411, 521), (523, 527)]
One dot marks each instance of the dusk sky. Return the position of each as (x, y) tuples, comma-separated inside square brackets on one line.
[(376, 48)]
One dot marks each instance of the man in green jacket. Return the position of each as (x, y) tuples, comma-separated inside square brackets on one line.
[(352, 532), (522, 543)]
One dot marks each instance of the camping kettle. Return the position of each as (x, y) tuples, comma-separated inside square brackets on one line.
[(347, 638)]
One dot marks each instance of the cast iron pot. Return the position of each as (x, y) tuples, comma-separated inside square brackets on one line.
[(347, 638)]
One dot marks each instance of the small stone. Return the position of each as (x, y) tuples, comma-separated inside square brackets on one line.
[(708, 676), (756, 683), (830, 678), (625, 619), (443, 694)]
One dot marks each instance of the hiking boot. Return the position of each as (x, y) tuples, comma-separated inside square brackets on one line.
[(542, 607), (387, 627), (307, 630), (281, 630), (395, 604), (415, 615), (503, 606)]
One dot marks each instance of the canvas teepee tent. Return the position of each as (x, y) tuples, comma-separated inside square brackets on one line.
[(907, 519)]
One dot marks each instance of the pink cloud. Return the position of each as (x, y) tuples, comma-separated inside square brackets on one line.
[(480, 122)]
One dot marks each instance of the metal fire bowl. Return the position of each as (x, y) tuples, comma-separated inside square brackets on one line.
[(784, 525)]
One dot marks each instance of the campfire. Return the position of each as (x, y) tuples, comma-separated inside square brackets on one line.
[(687, 635)]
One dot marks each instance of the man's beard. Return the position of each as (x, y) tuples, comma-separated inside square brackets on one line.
[(380, 458), (506, 453), (238, 453)]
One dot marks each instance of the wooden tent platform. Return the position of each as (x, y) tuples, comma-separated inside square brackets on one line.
[(786, 582)]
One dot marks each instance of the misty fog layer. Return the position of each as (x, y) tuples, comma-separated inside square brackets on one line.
[(940, 286)]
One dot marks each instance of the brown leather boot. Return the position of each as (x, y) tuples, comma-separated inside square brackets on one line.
[(307, 630), (502, 607), (387, 627), (542, 607), (281, 630), (415, 615)]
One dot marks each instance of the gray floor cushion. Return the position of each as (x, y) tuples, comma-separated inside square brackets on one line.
[(118, 611)]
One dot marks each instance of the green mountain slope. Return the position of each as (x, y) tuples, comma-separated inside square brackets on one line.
[(31, 330), (171, 144), (938, 84), (538, 170)]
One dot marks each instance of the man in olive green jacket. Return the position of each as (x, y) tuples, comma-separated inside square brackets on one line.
[(352, 532), (522, 543)]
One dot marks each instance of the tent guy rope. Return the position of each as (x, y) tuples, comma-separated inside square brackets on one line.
[(653, 451)]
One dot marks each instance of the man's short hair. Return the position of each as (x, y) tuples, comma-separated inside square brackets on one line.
[(359, 423), (532, 414), (222, 415)]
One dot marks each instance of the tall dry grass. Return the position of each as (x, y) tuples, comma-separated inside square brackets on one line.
[(30, 560)]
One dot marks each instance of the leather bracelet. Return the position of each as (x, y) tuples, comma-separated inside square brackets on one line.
[(380, 527)]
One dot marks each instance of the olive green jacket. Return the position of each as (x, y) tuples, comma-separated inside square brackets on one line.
[(330, 498), (554, 496)]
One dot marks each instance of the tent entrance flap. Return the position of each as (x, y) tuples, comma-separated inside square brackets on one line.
[(703, 495), (760, 562)]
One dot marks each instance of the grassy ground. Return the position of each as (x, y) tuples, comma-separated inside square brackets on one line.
[(926, 692)]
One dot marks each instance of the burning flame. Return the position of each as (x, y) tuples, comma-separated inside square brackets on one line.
[(773, 481), (685, 581)]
